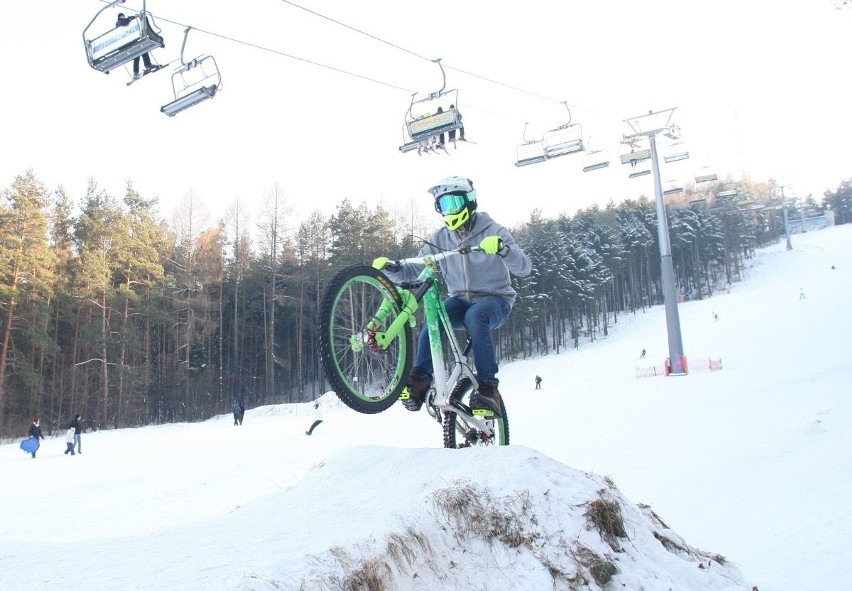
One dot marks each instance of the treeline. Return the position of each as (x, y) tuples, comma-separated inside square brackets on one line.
[(109, 310)]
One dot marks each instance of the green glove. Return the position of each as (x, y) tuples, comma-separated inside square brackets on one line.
[(380, 263), (491, 244)]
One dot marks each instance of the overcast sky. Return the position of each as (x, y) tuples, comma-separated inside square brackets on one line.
[(756, 87)]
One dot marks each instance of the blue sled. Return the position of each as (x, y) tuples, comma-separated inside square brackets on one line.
[(30, 444)]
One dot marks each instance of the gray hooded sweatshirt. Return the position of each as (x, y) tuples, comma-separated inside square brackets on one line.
[(475, 275)]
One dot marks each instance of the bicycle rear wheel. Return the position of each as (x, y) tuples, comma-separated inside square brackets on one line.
[(459, 431), (365, 376)]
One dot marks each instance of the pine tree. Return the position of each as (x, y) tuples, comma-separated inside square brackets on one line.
[(26, 276)]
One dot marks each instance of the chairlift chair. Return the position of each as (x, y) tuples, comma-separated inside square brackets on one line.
[(672, 187), (565, 139), (530, 151), (676, 151), (430, 116), (705, 175), (193, 82), (675, 157), (431, 124), (595, 159), (120, 45)]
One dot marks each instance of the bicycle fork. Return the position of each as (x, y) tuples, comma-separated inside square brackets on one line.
[(372, 337)]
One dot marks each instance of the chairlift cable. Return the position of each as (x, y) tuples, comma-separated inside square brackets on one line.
[(415, 54), (295, 57), (353, 74), (351, 28), (281, 53)]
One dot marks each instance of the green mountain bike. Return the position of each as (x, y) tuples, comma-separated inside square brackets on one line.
[(366, 342)]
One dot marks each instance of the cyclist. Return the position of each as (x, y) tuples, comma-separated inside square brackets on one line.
[(479, 287)]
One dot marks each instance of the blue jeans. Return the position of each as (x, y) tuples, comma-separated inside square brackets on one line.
[(77, 439), (478, 320)]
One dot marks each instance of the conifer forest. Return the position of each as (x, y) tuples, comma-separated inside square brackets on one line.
[(109, 310)]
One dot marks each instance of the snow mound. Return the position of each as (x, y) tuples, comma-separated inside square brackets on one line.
[(501, 518)]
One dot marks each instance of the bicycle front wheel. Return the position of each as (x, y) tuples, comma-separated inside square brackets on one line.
[(359, 303)]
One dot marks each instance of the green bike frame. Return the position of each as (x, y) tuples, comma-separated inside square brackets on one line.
[(436, 317)]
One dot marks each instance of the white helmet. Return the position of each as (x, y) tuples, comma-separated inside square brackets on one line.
[(458, 203)]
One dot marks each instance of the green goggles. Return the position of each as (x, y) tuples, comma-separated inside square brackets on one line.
[(451, 203)]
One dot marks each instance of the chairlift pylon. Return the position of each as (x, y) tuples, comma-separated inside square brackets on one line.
[(431, 116), (120, 45), (193, 82)]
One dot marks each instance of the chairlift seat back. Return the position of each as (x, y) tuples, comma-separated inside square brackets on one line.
[(634, 157), (595, 160), (121, 45), (530, 153), (433, 124), (194, 82), (563, 140), (676, 157)]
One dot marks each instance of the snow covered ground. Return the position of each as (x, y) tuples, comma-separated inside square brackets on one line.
[(750, 463)]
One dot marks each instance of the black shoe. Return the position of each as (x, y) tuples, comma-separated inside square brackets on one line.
[(414, 393), (485, 402)]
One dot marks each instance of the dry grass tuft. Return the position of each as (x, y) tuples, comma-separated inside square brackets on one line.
[(359, 574), (603, 571), (405, 548), (606, 517), (473, 511), (373, 575), (600, 569)]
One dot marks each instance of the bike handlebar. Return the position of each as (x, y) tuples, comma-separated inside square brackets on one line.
[(394, 266)]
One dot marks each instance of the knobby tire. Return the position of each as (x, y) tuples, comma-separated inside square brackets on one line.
[(458, 433), (368, 380)]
